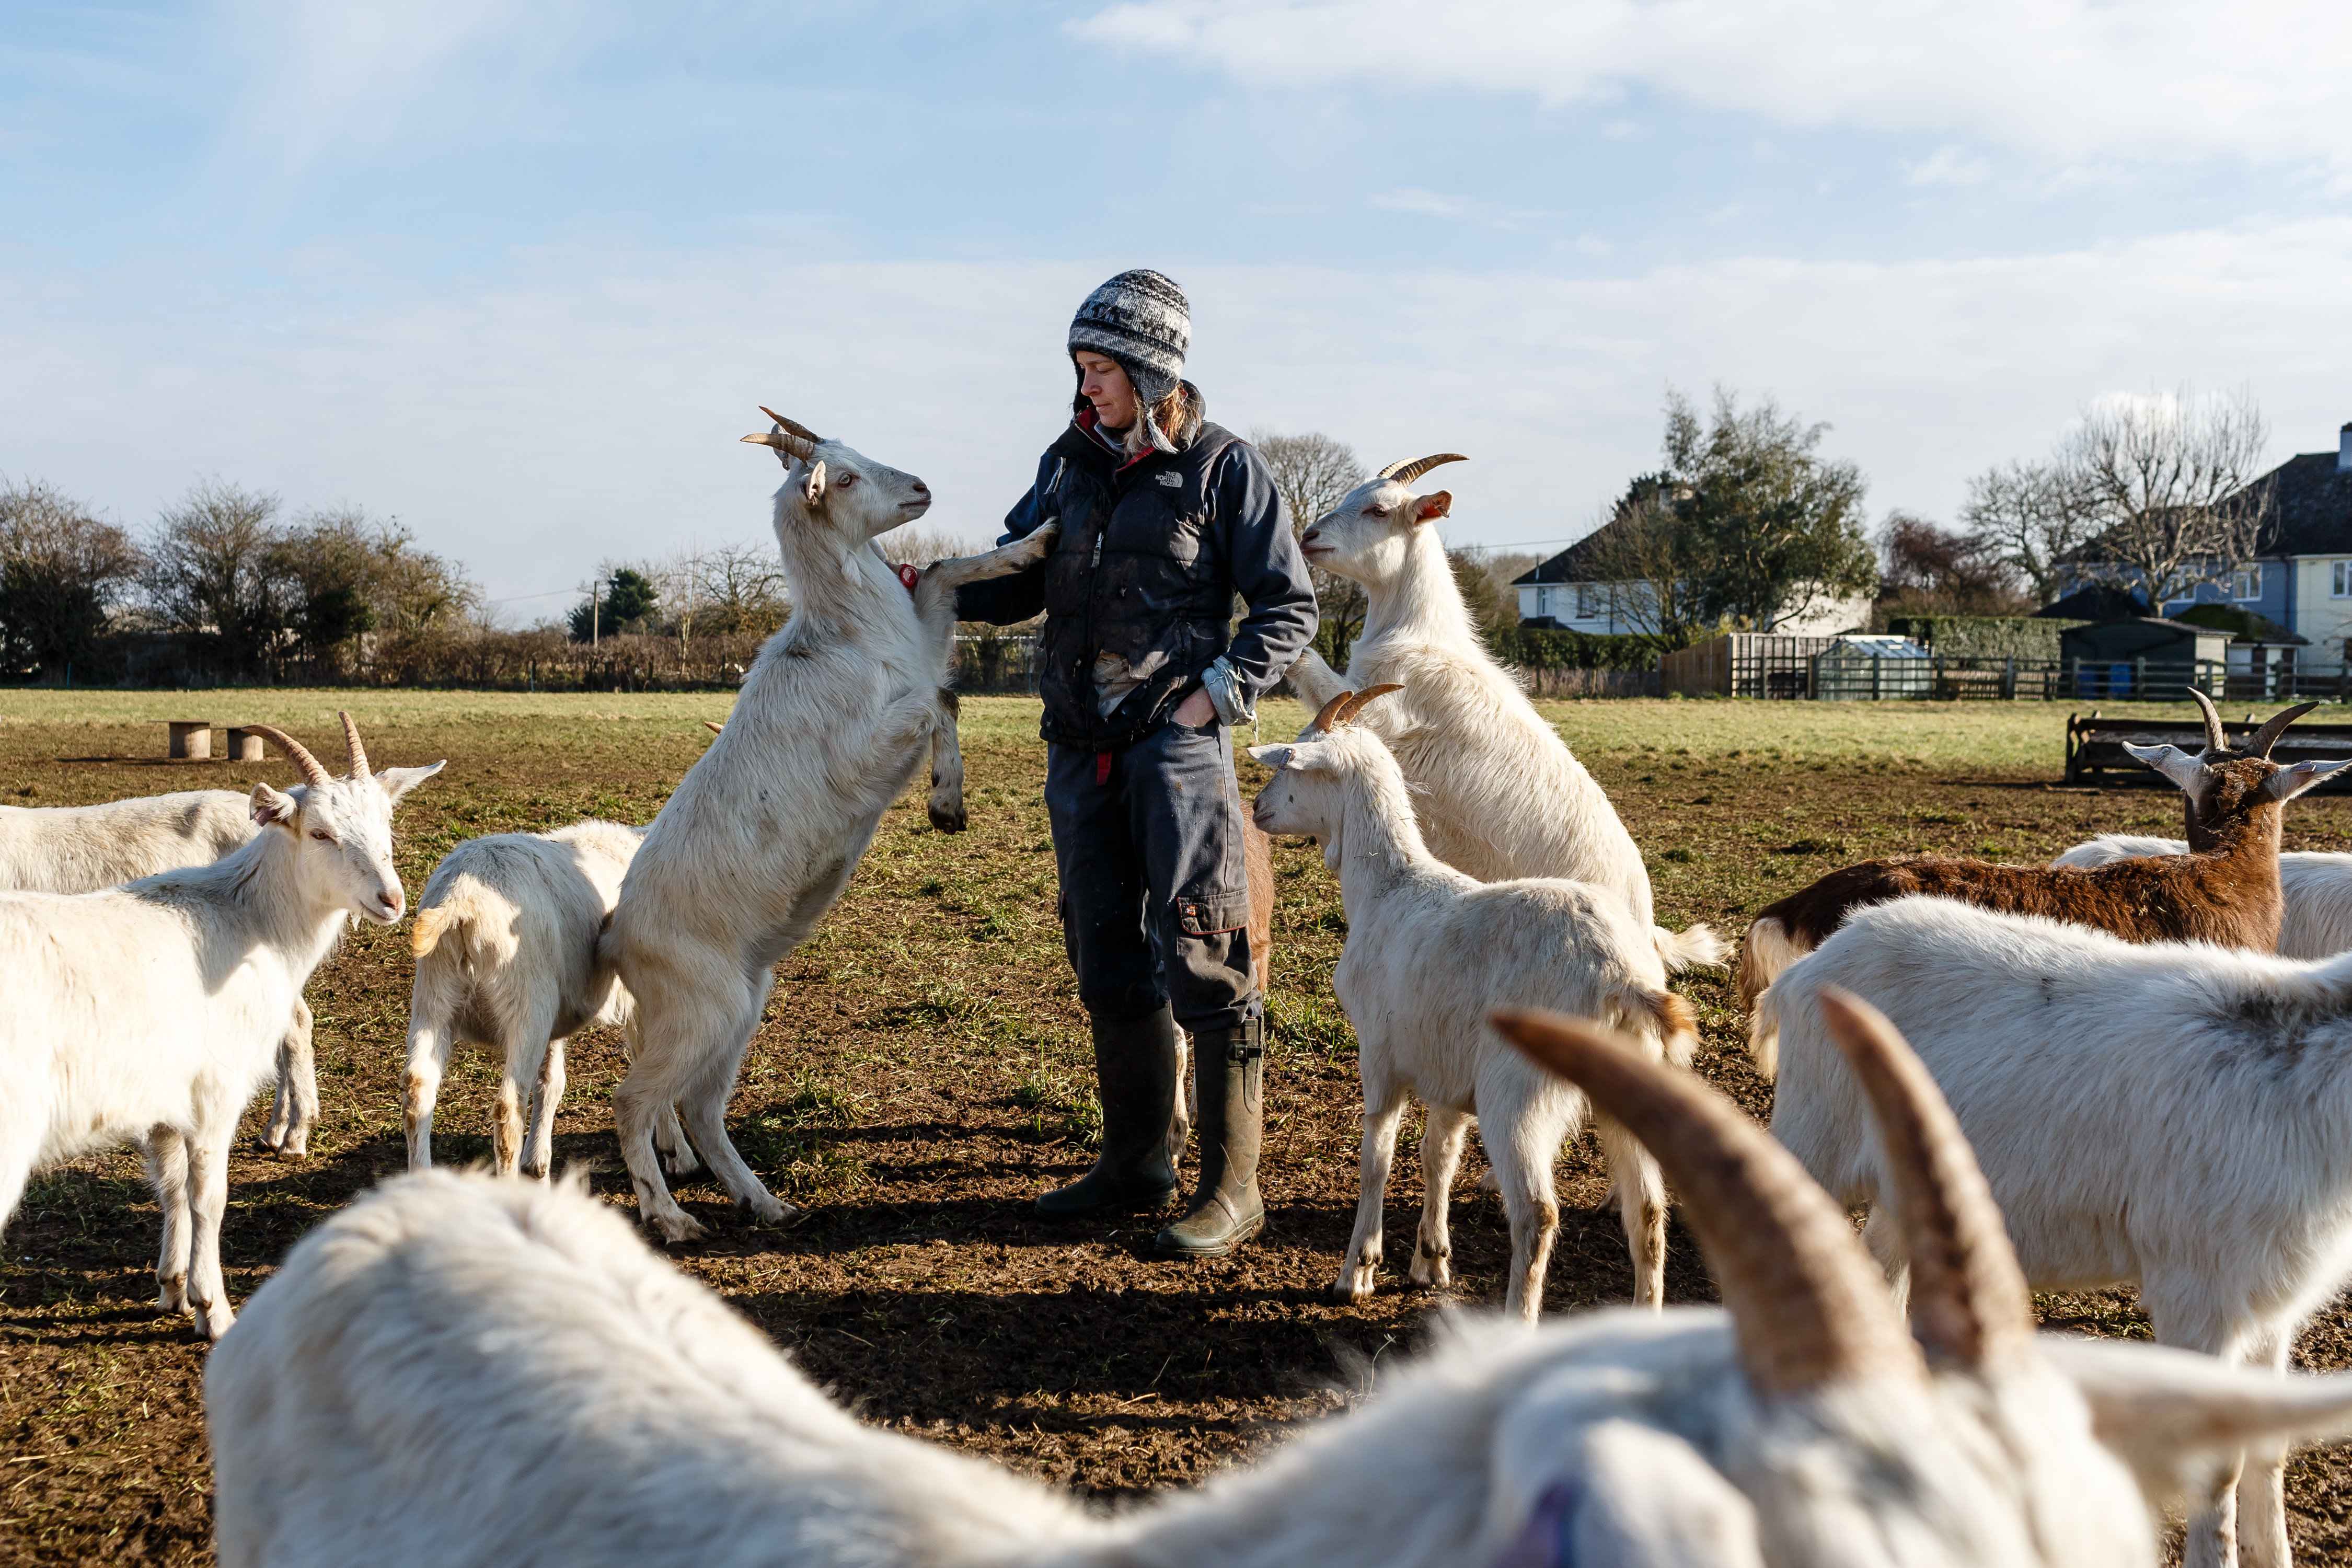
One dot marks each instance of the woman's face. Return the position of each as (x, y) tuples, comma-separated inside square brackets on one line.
[(1106, 386)]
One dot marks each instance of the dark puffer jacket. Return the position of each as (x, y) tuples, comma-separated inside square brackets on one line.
[(1152, 552)]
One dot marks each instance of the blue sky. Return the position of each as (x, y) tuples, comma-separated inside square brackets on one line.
[(517, 271)]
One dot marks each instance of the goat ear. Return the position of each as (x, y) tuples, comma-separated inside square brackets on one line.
[(2173, 763), (398, 781), (1424, 508), (2293, 780), (2164, 1411), (270, 804), (1272, 756), (813, 485)]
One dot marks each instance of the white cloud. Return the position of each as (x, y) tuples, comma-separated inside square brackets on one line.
[(1947, 165), (1429, 204), (588, 405), (2059, 79)]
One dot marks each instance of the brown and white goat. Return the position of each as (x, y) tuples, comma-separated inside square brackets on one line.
[(2225, 890)]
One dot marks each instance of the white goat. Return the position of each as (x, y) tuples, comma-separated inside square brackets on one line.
[(2317, 888), (150, 1013), (83, 848), (1430, 951), (2175, 1116), (505, 938), (767, 826), (484, 1374), (1499, 793)]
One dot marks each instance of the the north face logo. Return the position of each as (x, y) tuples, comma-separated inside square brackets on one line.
[(1170, 480)]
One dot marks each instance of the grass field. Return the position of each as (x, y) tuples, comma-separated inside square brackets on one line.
[(922, 1072)]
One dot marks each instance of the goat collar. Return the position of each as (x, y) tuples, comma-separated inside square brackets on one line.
[(910, 575)]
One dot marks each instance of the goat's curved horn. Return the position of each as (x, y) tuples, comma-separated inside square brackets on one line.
[(1969, 1304), (351, 743), (313, 771), (2260, 743), (1405, 473), (793, 426), (789, 436), (2215, 740), (715, 727), (1327, 719), (1356, 704), (1807, 1305)]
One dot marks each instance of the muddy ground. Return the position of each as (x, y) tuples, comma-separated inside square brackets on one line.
[(923, 1074)]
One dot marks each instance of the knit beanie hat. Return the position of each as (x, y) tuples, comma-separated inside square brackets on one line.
[(1140, 320)]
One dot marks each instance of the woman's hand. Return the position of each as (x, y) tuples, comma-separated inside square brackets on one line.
[(1195, 710)]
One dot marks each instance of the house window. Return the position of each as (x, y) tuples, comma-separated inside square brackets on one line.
[(1588, 601), (2246, 582), (2339, 584)]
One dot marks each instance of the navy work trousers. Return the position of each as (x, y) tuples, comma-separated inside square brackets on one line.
[(1155, 888)]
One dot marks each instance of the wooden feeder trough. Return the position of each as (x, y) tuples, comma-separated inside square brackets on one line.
[(191, 739)]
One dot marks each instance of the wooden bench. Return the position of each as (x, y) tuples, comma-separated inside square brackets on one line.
[(2095, 746)]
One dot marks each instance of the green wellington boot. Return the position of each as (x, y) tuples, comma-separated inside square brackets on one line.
[(1226, 1210), (1135, 1071)]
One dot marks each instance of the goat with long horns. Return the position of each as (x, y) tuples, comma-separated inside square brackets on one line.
[(2225, 890)]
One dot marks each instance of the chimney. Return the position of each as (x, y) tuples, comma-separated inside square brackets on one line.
[(2343, 450)]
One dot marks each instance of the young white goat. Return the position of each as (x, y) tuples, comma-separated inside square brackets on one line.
[(767, 826), (505, 938), (150, 1013), (479, 1374), (2174, 1116), (1499, 794), (83, 848), (1430, 951), (2317, 888)]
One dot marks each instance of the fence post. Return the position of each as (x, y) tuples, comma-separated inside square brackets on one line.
[(2139, 677)]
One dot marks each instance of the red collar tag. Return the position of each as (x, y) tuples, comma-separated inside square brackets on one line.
[(910, 575)]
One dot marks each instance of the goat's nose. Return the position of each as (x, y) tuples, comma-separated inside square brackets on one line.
[(921, 488), (389, 899)]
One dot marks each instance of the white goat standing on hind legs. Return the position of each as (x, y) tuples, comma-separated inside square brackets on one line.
[(1429, 952), (766, 828), (1499, 793), (150, 1013)]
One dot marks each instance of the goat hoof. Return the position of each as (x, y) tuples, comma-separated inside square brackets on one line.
[(770, 1210), (950, 821), (678, 1230)]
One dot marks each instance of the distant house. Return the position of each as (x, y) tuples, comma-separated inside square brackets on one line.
[(1567, 593), (2295, 595)]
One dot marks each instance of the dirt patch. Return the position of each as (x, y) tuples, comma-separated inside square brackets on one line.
[(922, 1074)]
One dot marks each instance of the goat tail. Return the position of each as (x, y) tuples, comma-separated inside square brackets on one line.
[(1677, 1025), (1700, 946), (1768, 949), (424, 931), (1764, 1034)]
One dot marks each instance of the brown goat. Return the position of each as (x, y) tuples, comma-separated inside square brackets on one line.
[(2225, 890)]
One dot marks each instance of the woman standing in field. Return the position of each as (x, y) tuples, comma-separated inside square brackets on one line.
[(1164, 518)]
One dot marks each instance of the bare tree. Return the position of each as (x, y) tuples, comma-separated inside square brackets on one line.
[(212, 571), (742, 591), (2035, 516), (1313, 473), (2173, 477), (61, 569), (2154, 492), (1924, 569), (920, 546)]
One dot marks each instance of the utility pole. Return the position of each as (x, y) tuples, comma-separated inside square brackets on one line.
[(592, 631)]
